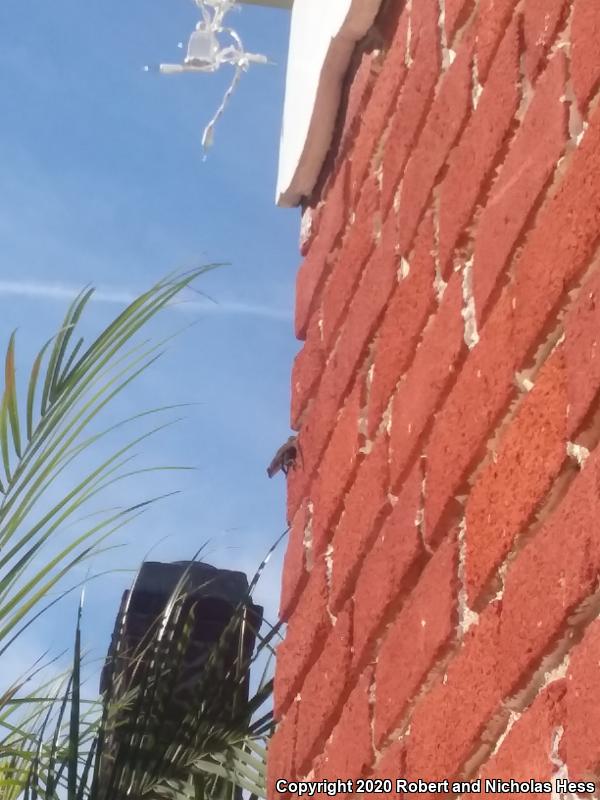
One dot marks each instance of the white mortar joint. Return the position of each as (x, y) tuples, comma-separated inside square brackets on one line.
[(513, 718), (466, 616), (523, 381), (469, 314), (306, 225), (477, 88), (329, 564), (408, 60), (578, 453), (307, 540), (386, 422), (439, 285), (561, 772)]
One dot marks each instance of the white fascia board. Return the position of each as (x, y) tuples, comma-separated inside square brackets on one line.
[(323, 36)]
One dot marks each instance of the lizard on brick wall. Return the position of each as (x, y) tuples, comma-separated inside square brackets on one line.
[(285, 458)]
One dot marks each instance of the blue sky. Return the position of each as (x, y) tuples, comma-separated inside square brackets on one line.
[(103, 182)]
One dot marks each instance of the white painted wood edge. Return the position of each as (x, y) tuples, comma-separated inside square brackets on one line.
[(323, 37)]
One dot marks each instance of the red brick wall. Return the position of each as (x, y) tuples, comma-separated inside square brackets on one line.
[(442, 576)]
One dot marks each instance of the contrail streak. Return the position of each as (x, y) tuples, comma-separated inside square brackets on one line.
[(122, 297)]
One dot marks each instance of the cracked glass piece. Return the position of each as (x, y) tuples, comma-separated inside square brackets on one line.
[(203, 49), (211, 45)]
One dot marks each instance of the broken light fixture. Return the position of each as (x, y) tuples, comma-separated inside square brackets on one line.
[(207, 52)]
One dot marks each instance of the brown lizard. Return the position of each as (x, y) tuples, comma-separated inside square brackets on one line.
[(285, 458)]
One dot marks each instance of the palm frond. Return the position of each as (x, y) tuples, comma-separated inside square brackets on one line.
[(174, 721), (44, 430), (67, 389)]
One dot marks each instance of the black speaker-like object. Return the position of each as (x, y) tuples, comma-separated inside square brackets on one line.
[(213, 615)]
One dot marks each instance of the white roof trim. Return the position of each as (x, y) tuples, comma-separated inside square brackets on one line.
[(323, 37)]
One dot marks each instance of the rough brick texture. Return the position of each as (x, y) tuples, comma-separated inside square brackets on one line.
[(441, 580), (364, 507), (323, 690), (479, 146), (350, 750), (522, 470), (390, 568), (408, 309), (427, 620), (295, 566), (527, 749), (582, 729)]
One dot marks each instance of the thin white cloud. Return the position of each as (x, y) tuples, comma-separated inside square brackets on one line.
[(121, 297)]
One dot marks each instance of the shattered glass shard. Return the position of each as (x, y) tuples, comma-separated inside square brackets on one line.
[(206, 52), (203, 49)]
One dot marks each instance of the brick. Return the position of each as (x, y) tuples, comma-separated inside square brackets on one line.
[(457, 12), (442, 127), (416, 639), (282, 745), (483, 137), (493, 18), (545, 584), (483, 389), (389, 83), (298, 484), (585, 34), (447, 724), (315, 267), (323, 690), (430, 373), (343, 368), (390, 567), (521, 472), (541, 21), (582, 340), (373, 293), (554, 573), (381, 104), (306, 372), (341, 373), (336, 470), (358, 244), (415, 97), (360, 88), (525, 752), (410, 305), (527, 169), (364, 506), (554, 256), (391, 765), (294, 574), (306, 632), (581, 740), (349, 752)]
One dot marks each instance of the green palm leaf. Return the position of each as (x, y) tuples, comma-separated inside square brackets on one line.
[(67, 389), (126, 746), (77, 384)]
